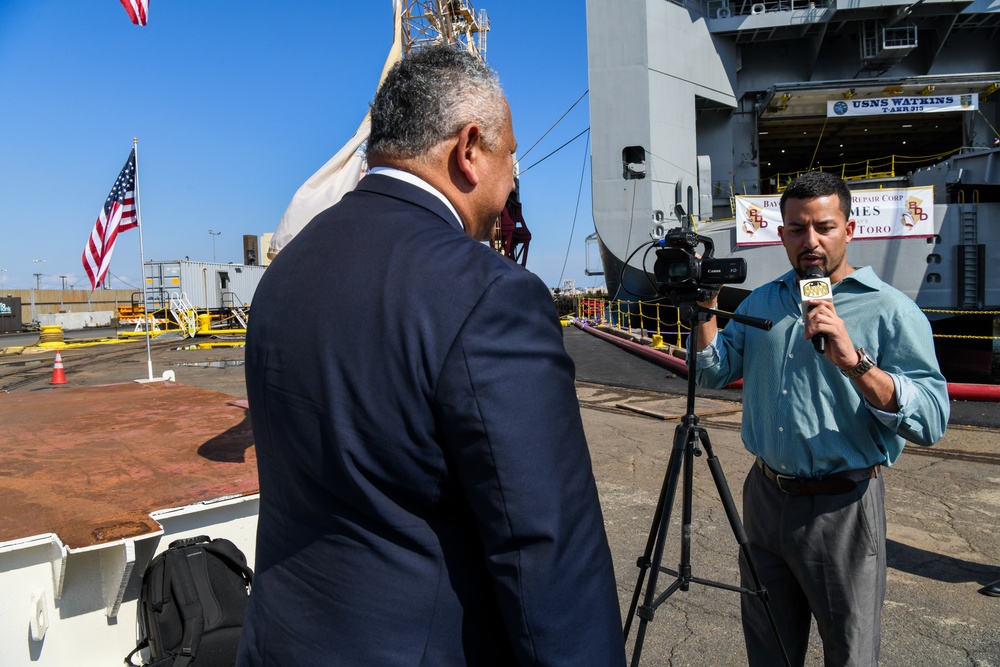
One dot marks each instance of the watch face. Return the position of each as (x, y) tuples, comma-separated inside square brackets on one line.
[(865, 365)]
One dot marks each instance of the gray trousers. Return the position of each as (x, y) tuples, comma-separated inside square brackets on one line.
[(819, 557)]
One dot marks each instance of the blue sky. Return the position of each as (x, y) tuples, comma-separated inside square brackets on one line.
[(236, 104)]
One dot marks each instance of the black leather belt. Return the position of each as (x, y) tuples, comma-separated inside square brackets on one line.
[(840, 482)]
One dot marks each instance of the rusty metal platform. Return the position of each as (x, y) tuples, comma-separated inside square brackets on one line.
[(91, 464)]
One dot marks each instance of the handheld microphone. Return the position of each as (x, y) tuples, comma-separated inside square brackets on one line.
[(815, 287)]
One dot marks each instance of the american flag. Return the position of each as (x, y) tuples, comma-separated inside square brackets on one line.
[(119, 214), (137, 10)]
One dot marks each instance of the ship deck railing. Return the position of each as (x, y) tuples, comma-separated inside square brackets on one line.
[(722, 9)]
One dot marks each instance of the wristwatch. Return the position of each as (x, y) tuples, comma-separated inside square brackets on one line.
[(865, 365)]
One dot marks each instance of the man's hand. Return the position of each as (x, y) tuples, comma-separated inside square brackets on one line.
[(822, 318), (713, 303), (876, 386), (708, 329)]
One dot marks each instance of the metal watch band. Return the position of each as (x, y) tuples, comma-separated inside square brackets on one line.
[(865, 365)]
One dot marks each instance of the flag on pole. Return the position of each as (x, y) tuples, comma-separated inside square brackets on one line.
[(137, 10), (119, 214), (342, 172)]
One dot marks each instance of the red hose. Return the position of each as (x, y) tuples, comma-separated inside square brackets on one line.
[(668, 361), (973, 392)]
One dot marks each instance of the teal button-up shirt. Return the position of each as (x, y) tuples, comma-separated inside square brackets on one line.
[(800, 414)]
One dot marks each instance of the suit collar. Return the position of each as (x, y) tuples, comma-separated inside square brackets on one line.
[(397, 188)]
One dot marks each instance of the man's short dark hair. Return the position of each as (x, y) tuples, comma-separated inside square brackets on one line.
[(818, 184), (429, 96)]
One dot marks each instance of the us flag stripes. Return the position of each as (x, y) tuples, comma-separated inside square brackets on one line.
[(119, 214), (137, 10)]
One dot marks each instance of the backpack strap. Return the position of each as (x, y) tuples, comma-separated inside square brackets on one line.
[(141, 645), (166, 662), (180, 569)]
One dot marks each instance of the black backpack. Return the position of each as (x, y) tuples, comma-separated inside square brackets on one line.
[(191, 604)]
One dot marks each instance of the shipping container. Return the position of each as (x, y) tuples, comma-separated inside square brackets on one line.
[(10, 314), (205, 285)]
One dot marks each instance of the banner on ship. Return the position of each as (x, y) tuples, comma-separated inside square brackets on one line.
[(889, 105), (878, 214)]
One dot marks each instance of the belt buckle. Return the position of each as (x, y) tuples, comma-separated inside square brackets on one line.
[(780, 479)]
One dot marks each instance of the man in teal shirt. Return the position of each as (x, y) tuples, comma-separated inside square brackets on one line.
[(821, 427)]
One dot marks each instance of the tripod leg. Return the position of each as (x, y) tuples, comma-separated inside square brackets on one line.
[(653, 554), (741, 536), (684, 567), (643, 561)]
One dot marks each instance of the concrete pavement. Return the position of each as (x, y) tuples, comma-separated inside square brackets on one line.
[(942, 507), (942, 503)]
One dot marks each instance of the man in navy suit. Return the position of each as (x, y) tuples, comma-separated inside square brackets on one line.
[(426, 492)]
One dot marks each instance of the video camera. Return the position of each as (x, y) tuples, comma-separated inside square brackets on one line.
[(685, 277)]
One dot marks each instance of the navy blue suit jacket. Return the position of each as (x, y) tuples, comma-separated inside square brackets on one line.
[(427, 496)]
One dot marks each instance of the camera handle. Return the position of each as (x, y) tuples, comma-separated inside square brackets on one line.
[(687, 438), (694, 313)]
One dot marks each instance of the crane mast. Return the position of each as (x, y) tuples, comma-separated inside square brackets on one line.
[(453, 22)]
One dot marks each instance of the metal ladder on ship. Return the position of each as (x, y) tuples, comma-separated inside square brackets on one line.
[(970, 257)]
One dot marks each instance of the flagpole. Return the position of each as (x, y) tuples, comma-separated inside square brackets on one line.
[(142, 262)]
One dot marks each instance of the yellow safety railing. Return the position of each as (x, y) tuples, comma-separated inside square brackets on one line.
[(654, 319), (621, 314), (943, 311), (882, 167)]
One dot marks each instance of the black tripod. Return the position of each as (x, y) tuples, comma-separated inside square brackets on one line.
[(687, 438)]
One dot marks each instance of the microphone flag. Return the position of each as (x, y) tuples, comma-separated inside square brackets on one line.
[(815, 287)]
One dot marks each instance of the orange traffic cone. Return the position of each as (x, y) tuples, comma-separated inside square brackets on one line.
[(58, 374)]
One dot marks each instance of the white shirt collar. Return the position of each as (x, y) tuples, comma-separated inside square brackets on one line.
[(420, 183)]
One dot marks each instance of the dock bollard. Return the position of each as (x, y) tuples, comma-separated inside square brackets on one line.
[(51, 336)]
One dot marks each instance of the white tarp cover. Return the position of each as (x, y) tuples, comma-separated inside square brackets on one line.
[(342, 172)]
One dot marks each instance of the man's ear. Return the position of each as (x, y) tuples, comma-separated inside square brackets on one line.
[(468, 152)]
